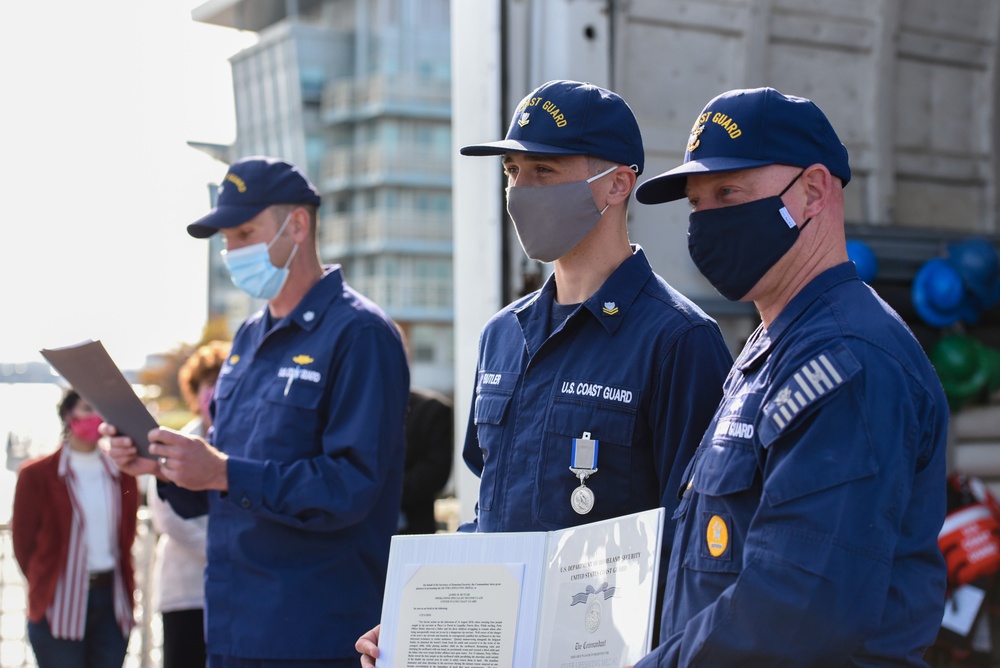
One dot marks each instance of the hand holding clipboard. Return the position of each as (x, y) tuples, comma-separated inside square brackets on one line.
[(92, 373)]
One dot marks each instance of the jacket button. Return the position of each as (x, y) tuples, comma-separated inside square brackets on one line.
[(245, 502)]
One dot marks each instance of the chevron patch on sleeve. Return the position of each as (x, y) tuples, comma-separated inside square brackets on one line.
[(814, 380)]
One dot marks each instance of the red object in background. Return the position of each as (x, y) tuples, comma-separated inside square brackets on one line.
[(970, 536)]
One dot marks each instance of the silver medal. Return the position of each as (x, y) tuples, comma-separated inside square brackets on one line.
[(583, 464), (582, 500)]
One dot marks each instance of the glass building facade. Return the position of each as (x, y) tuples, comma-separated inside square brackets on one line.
[(358, 94)]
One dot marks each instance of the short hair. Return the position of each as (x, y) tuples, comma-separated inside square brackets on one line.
[(70, 398), (204, 363), (597, 165), (282, 210)]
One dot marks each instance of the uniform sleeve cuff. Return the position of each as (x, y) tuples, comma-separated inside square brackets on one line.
[(245, 479)]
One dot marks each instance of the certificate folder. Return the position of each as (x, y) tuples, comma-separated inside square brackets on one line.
[(582, 596), (92, 373)]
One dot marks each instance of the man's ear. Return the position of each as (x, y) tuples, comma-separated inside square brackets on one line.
[(818, 184), (299, 224), (622, 183)]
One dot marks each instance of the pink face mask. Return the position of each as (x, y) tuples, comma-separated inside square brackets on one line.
[(85, 429), (204, 401)]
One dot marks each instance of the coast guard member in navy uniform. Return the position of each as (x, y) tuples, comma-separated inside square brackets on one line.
[(606, 351), (807, 529), (607, 370), (304, 470)]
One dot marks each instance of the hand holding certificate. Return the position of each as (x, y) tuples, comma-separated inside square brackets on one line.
[(90, 370)]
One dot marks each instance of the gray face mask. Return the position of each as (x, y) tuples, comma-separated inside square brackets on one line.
[(551, 220)]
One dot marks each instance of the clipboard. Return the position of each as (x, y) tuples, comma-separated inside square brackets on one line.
[(89, 369)]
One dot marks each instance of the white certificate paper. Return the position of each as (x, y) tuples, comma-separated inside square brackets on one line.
[(600, 593), (582, 596), (445, 605)]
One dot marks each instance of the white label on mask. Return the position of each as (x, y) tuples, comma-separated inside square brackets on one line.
[(787, 216)]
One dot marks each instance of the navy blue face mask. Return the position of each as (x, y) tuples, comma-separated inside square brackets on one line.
[(734, 246)]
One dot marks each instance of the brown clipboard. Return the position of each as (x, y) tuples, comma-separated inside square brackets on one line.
[(89, 369)]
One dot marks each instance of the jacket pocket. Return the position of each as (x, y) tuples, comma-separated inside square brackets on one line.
[(489, 415), (612, 426), (725, 490)]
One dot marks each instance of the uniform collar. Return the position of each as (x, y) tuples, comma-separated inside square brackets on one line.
[(763, 340), (612, 301), (307, 313), (609, 305)]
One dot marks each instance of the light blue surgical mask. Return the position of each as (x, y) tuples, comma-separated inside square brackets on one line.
[(251, 270)]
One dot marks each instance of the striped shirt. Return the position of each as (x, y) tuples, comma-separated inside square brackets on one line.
[(67, 615)]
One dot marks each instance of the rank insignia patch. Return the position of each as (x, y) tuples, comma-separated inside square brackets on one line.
[(817, 378)]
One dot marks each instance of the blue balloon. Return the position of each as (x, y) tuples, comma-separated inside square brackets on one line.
[(864, 259), (977, 263), (939, 295)]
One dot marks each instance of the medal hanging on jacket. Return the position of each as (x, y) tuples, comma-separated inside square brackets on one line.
[(583, 465)]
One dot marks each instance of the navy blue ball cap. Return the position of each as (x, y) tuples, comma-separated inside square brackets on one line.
[(743, 129), (571, 118), (250, 186)]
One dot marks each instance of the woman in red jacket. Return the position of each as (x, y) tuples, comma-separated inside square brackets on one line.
[(73, 525)]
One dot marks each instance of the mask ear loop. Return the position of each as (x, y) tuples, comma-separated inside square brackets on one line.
[(604, 173), (281, 229), (295, 248), (789, 216), (289, 217)]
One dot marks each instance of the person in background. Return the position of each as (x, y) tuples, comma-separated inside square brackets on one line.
[(429, 453), (606, 355), (73, 525), (302, 470), (807, 534), (429, 448), (179, 566)]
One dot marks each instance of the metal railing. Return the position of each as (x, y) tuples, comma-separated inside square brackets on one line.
[(146, 640)]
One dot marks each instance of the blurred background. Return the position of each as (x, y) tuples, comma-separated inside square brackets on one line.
[(120, 117)]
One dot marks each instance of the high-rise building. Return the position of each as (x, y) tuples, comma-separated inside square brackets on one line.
[(358, 94)]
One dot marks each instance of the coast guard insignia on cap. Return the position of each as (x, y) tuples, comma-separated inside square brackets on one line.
[(524, 119), (236, 181), (610, 308), (699, 127)]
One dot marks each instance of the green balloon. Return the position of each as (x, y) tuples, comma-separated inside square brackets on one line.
[(967, 369)]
